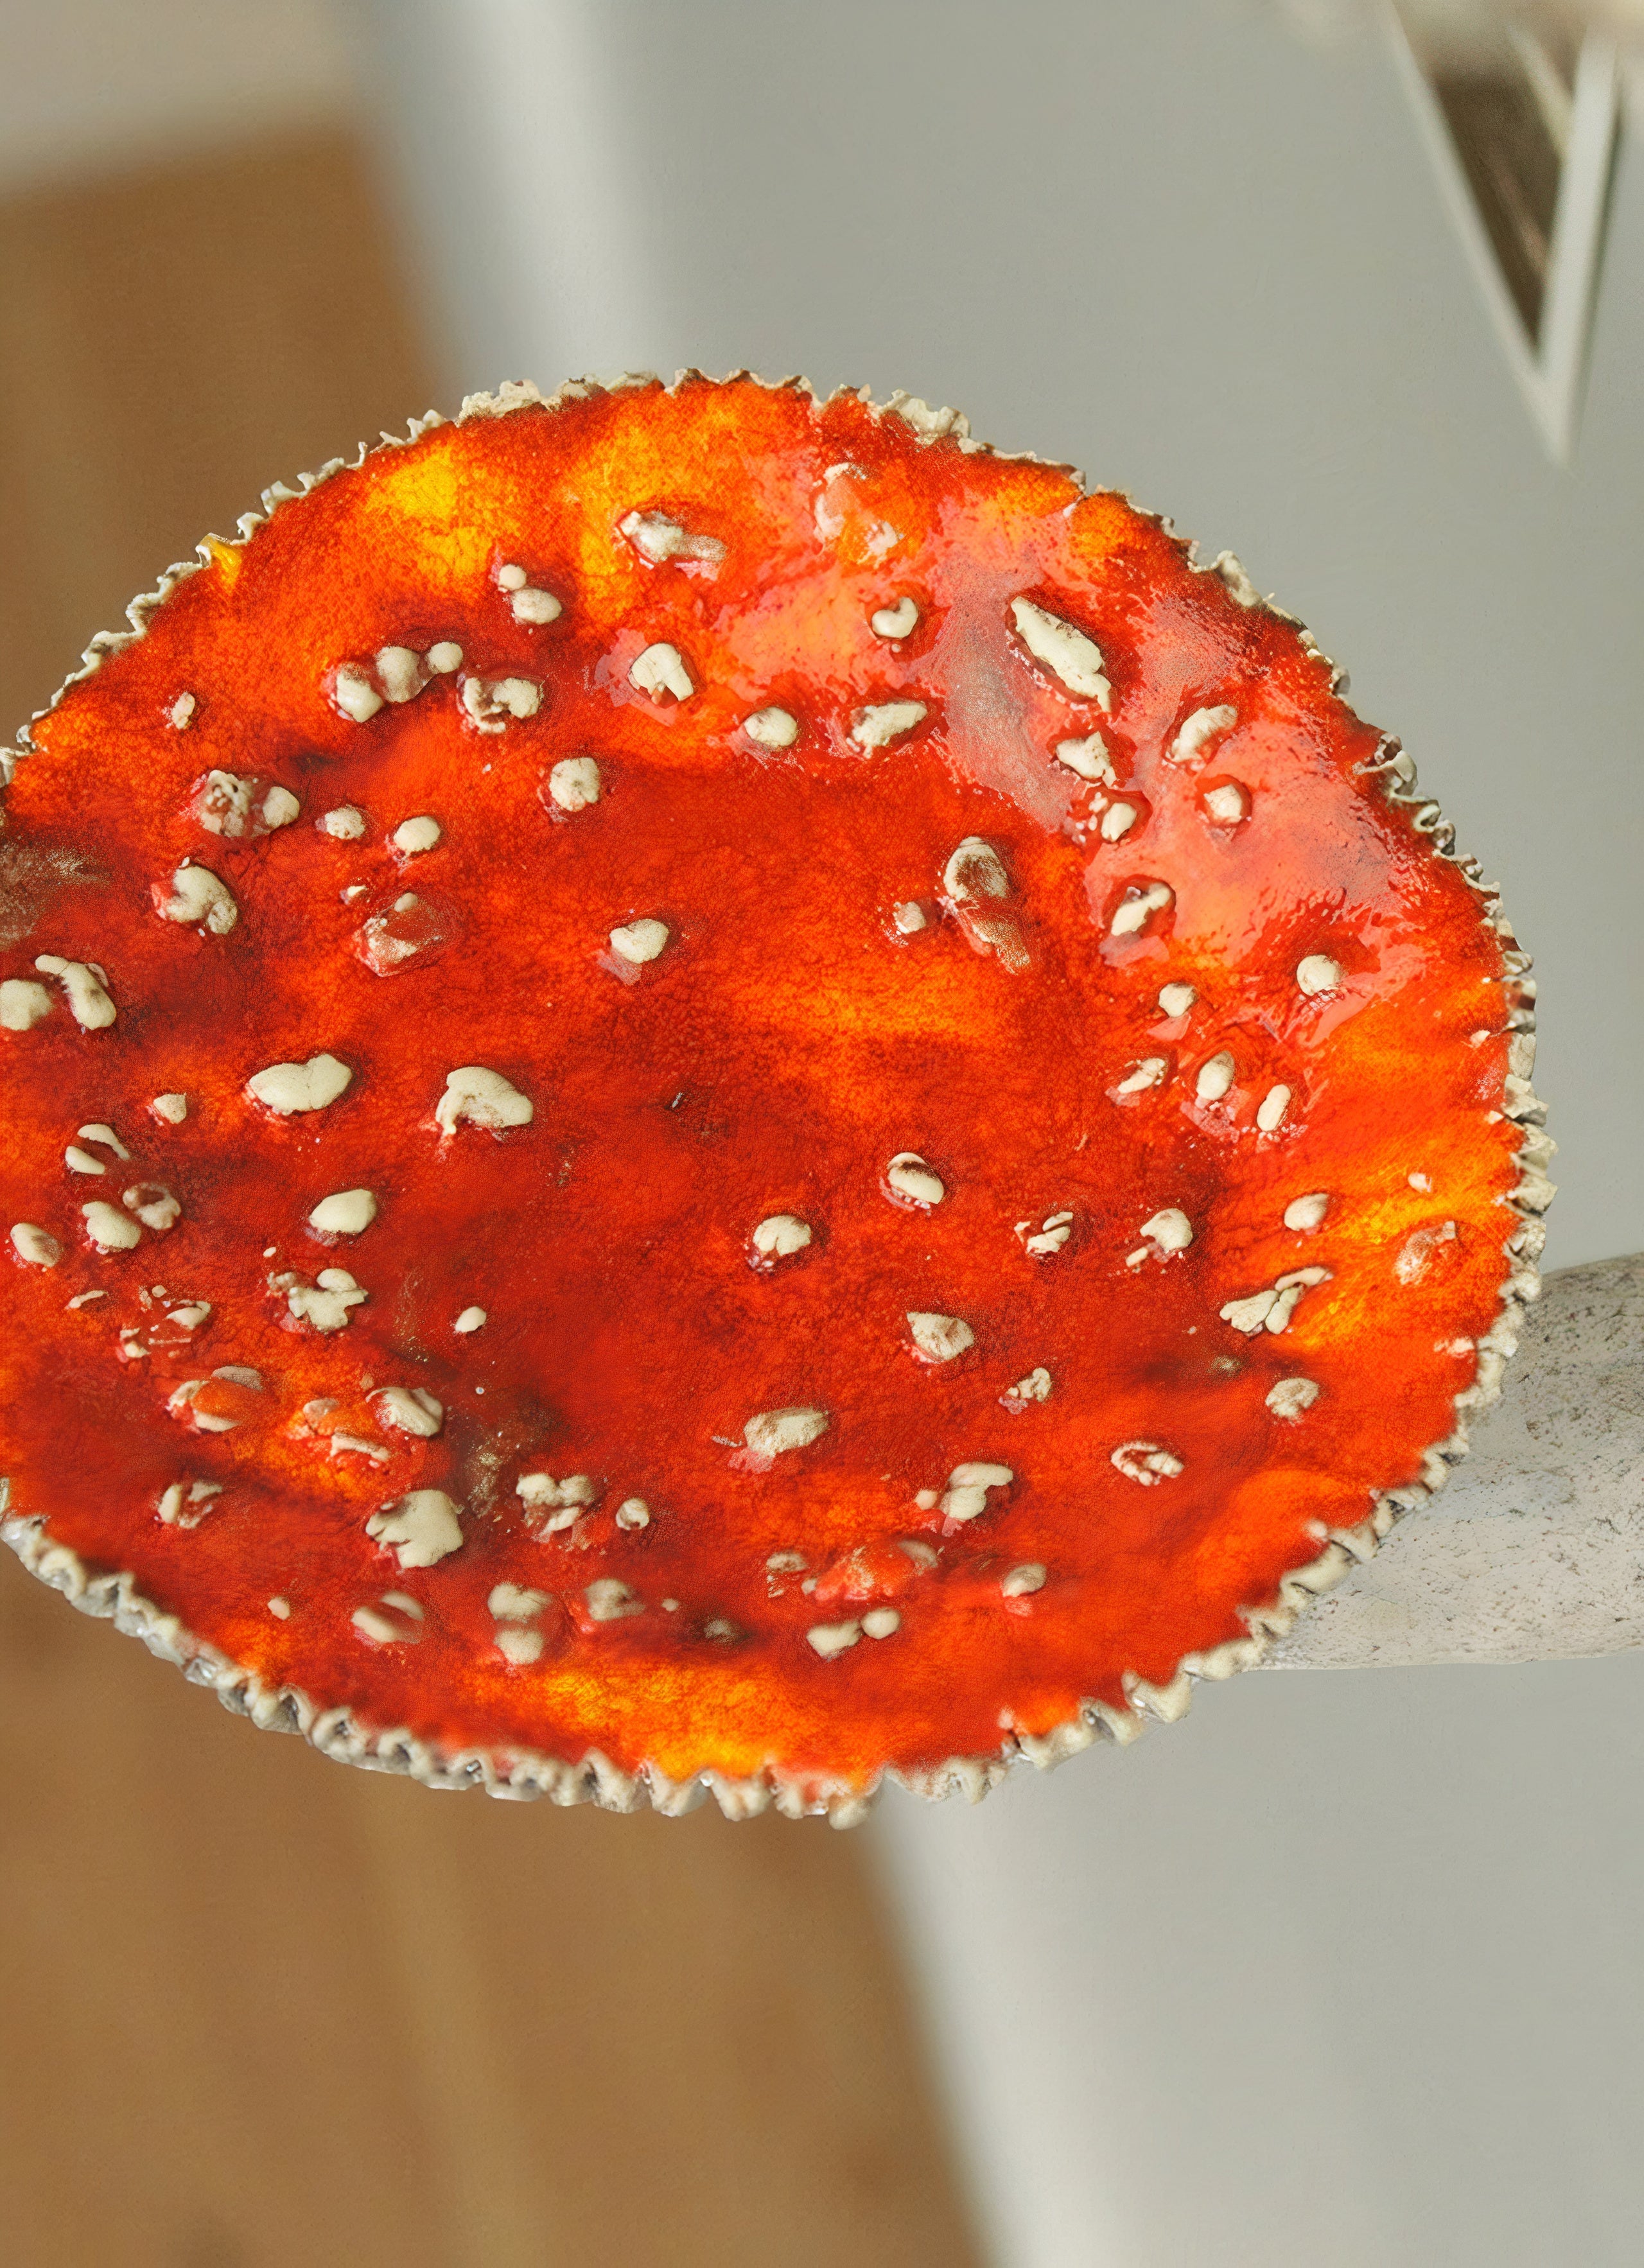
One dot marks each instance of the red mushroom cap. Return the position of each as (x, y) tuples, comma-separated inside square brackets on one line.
[(706, 1089)]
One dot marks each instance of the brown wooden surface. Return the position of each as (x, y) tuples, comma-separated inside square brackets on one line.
[(255, 2007)]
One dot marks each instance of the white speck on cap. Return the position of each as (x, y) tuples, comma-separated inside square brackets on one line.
[(965, 1497), (173, 1108), (421, 1527), (399, 672), (660, 669), (345, 1213), (1199, 730), (471, 1319), (445, 658), (83, 981), (1147, 1073), (831, 1639), (288, 1088), (889, 720), (1068, 653), (639, 941), (939, 1338), (412, 836), (910, 1180), (1270, 1111), (483, 1098), (23, 1003), (1116, 822), (897, 622), (33, 1244), (195, 894), (1089, 758), (409, 1410), (1308, 1213), (109, 1230), (353, 693), (908, 918), (657, 539), (1318, 973), (1170, 1229), (779, 1235), (573, 785), (180, 716), (1176, 999), (344, 824), (1288, 1397), (1215, 1077), (611, 1602), (1022, 1581), (771, 728), (633, 1512), (881, 1622), (1146, 1462), (773, 1433), (1139, 905), (1227, 803)]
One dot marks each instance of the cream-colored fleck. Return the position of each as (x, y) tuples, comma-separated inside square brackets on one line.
[(32, 1243), (771, 728), (640, 942), (409, 1410), (345, 823), (23, 1003), (831, 1639), (1137, 908), (611, 1602), (1317, 973), (1146, 1462), (910, 1181), (471, 1319), (881, 1622), (109, 1230), (1068, 653), (290, 1088), (1022, 1581), (482, 1098), (415, 835), (779, 1235), (966, 1495), (773, 1433), (345, 1213), (354, 695), (1270, 1113), (399, 672), (1089, 758), (1149, 1073), (1215, 1078), (1169, 1230), (420, 1529), (173, 1108), (1176, 999), (573, 785), (1226, 803), (660, 669), (1204, 726), (1288, 1397), (897, 622), (1304, 1213), (85, 984), (196, 895), (888, 720), (939, 1338)]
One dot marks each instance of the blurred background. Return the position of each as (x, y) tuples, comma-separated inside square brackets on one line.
[(1343, 1972)]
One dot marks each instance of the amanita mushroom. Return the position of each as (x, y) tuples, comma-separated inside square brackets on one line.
[(1167, 1186)]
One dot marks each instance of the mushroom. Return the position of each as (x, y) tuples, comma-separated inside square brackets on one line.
[(776, 1367)]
